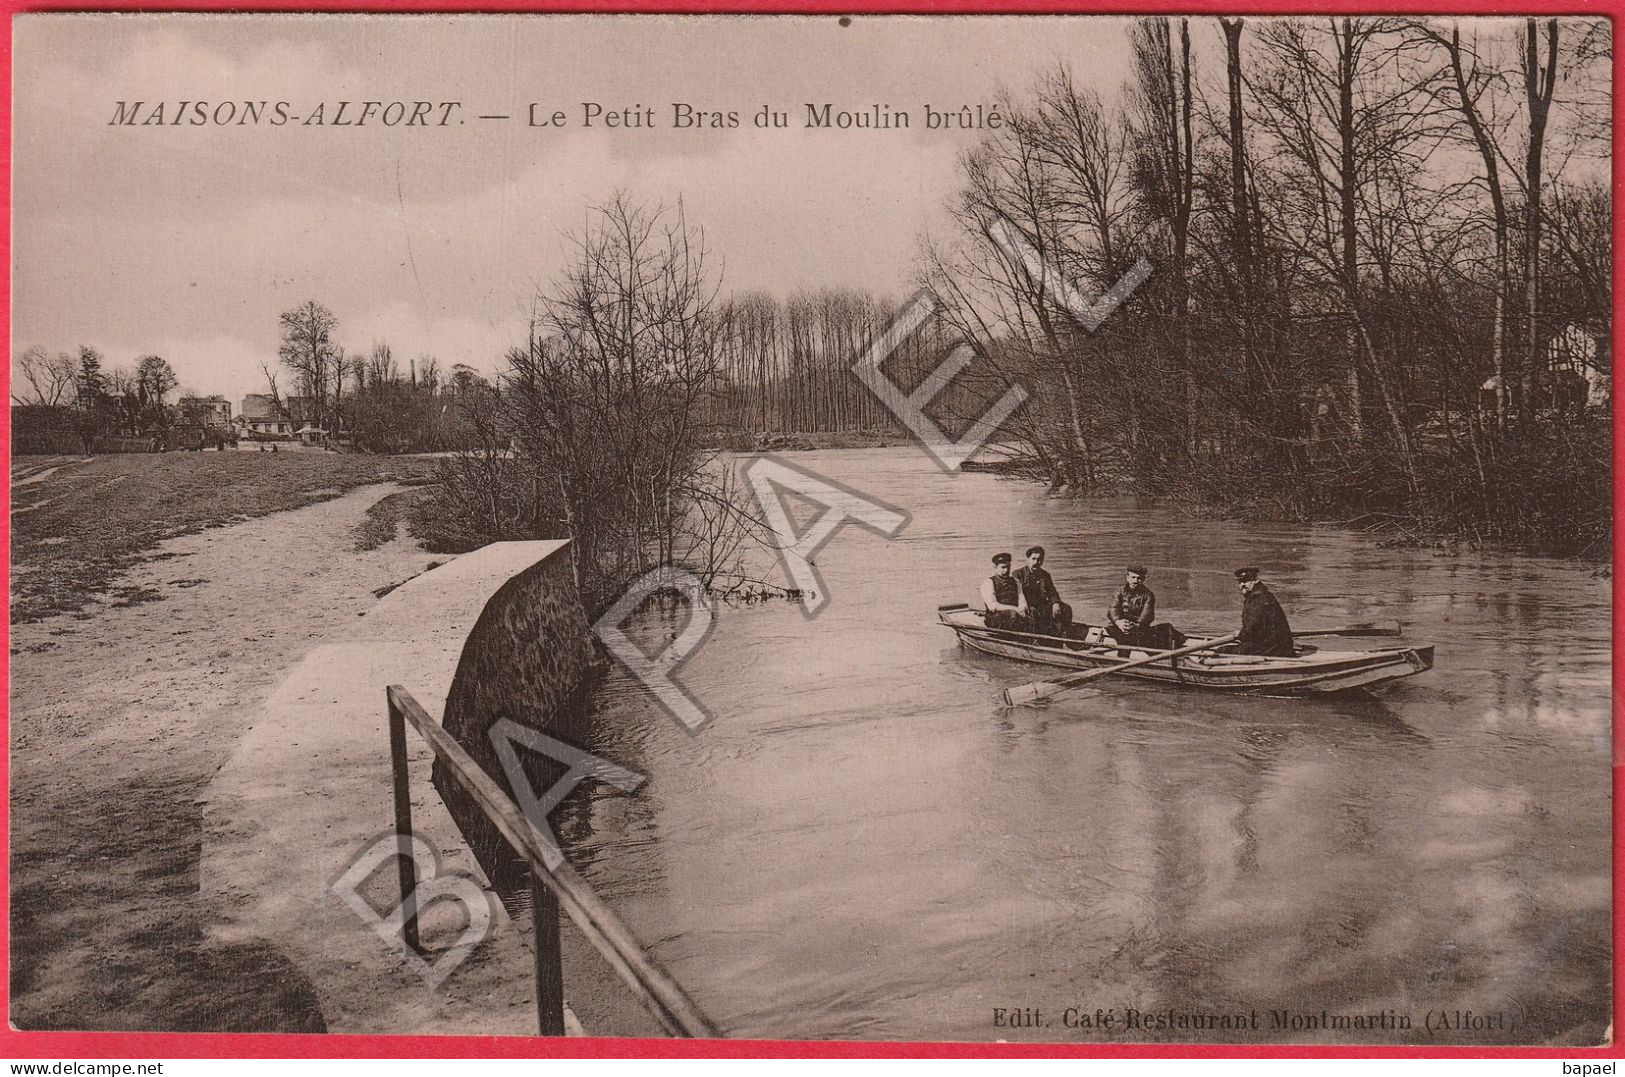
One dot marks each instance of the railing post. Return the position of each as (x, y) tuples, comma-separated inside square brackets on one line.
[(404, 860), (544, 912), (564, 890)]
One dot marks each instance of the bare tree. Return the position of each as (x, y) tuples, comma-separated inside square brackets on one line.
[(1540, 83), (309, 352), (1581, 223), (1350, 121), (1469, 84), (1344, 242), (1162, 94), (51, 380), (625, 346)]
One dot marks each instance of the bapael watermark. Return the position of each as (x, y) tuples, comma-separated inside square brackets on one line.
[(909, 408), (1089, 313), (769, 475), (770, 478), (655, 671), (506, 733), (433, 887)]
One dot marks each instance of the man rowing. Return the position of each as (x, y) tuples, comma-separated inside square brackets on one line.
[(1264, 628), (1001, 594), (1133, 610), (1049, 614)]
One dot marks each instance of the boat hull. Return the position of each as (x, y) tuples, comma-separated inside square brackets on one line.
[(1312, 672)]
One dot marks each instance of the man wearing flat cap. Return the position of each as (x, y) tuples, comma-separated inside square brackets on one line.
[(1001, 594), (1133, 610), (1264, 629)]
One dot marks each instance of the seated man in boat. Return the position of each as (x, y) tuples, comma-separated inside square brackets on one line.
[(1001, 594), (1264, 629), (1049, 614), (1133, 611)]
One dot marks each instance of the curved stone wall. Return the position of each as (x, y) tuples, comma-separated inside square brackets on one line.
[(527, 658), (309, 787)]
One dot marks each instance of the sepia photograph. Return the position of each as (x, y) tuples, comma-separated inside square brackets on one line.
[(1031, 529)]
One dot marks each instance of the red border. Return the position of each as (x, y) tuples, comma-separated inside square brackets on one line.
[(91, 1045), (882, 7)]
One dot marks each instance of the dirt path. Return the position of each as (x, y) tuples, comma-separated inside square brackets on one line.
[(39, 469), (118, 721)]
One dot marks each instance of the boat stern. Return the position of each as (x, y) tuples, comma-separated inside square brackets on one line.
[(1420, 659)]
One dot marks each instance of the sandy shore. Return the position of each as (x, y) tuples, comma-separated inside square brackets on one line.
[(120, 715)]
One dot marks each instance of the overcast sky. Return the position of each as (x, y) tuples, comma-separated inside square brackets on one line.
[(187, 241)]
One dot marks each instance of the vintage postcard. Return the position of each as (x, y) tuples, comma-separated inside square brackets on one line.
[(1087, 530)]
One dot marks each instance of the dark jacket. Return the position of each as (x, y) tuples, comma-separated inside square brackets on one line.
[(1264, 630), (1137, 606), (1038, 588)]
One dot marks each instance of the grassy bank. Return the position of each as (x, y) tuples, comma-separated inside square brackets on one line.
[(124, 711), (74, 529)]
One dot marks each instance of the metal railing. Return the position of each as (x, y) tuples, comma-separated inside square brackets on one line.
[(550, 888)]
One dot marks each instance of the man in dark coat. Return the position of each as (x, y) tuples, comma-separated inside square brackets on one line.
[(1264, 629), (1001, 594), (1133, 610), (1049, 614)]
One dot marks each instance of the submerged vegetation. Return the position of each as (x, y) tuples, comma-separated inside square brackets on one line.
[(1380, 286)]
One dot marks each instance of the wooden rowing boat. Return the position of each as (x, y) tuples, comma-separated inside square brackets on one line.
[(1311, 671)]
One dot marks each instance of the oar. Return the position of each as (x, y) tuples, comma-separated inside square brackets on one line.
[(1037, 690), (1378, 628), (1032, 693)]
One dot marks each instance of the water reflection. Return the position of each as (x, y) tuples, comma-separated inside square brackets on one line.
[(865, 843)]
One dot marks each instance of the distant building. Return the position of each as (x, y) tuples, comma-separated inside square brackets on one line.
[(207, 411), (263, 414), (1579, 373), (1583, 354)]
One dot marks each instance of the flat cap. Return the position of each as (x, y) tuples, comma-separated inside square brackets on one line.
[(1138, 570), (1001, 559), (1245, 574)]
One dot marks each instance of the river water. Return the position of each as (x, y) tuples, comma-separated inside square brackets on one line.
[(864, 843)]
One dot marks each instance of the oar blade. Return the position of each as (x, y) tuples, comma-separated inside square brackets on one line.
[(1034, 692)]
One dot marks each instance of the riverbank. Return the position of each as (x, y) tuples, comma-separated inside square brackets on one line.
[(79, 522), (1388, 530), (807, 441), (140, 671), (121, 713)]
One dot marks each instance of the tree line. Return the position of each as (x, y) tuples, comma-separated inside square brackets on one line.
[(602, 430), (367, 398), (785, 364), (362, 399), (1380, 253), (72, 401)]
